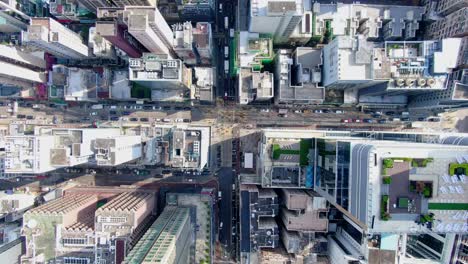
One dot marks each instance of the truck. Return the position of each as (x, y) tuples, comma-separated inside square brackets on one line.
[(140, 102), (231, 32), (226, 51), (282, 111), (226, 22), (97, 106), (226, 66), (220, 8)]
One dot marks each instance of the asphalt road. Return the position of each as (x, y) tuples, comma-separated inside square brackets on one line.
[(226, 179)]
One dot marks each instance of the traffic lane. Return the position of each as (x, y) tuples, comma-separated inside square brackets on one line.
[(226, 179)]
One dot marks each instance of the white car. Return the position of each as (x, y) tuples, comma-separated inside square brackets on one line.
[(265, 110), (179, 120), (297, 111), (93, 113)]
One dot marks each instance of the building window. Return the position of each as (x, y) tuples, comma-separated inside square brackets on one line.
[(74, 241), (113, 219), (73, 260)]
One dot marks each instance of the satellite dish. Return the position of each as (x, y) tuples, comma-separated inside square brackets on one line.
[(32, 223)]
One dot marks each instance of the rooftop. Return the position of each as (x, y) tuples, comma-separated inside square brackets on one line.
[(127, 201), (64, 204)]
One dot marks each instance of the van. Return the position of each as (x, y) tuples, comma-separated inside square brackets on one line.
[(219, 194), (226, 51), (113, 107)]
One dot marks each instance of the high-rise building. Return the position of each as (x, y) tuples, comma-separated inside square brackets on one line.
[(93, 5), (202, 42), (49, 35), (167, 240), (116, 150), (450, 19), (298, 76), (183, 42), (20, 68), (148, 26), (278, 18), (168, 79)]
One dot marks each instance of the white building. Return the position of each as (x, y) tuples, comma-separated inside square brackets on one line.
[(347, 62), (202, 88), (276, 17), (255, 86), (100, 47), (28, 154), (21, 68), (49, 35), (183, 42), (112, 151), (148, 26)]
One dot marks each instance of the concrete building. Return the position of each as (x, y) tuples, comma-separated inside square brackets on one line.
[(388, 21), (254, 50), (148, 26), (454, 96), (166, 241), (255, 86), (93, 5), (12, 19), (119, 221), (203, 86), (21, 69), (310, 216), (116, 150), (201, 10), (28, 154), (40, 224), (13, 206), (76, 84), (178, 147), (347, 62), (258, 228), (299, 76), (183, 42), (168, 79), (278, 18), (448, 19), (202, 37), (49, 35), (100, 47)]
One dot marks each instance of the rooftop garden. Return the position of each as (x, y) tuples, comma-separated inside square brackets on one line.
[(458, 169), (421, 187), (416, 163), (304, 146), (448, 206), (384, 214)]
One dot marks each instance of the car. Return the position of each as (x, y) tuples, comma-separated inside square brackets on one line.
[(368, 120), (144, 119), (166, 107), (405, 119), (318, 111), (179, 120), (166, 120), (326, 111), (382, 121), (30, 117), (339, 111), (124, 118), (186, 120), (21, 116), (368, 111), (187, 108), (421, 118), (158, 120), (357, 120), (112, 112), (127, 107), (85, 119), (126, 113), (390, 113), (157, 107), (346, 120), (376, 115), (265, 110), (297, 111), (114, 118), (93, 113), (138, 107), (147, 107), (178, 108), (395, 119), (133, 119), (282, 115)]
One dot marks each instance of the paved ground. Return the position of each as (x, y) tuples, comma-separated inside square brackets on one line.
[(400, 188)]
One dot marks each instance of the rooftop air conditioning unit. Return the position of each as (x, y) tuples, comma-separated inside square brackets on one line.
[(421, 82), (430, 82), (400, 82), (409, 82)]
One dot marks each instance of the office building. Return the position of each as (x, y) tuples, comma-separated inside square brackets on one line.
[(389, 21), (454, 96), (275, 17), (255, 86), (168, 79), (116, 150), (179, 147), (298, 76), (110, 25), (258, 228), (167, 240), (21, 69), (50, 36), (183, 42), (410, 68), (203, 84), (148, 26), (202, 41)]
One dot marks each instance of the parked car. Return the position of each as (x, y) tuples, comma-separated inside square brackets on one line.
[(187, 108), (166, 107), (357, 120), (144, 119), (368, 120), (21, 116), (382, 121), (133, 119), (318, 111), (93, 113), (265, 110), (339, 111), (112, 112), (114, 118), (346, 120), (326, 111), (30, 117)]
